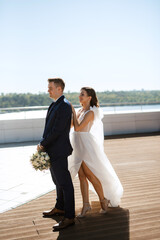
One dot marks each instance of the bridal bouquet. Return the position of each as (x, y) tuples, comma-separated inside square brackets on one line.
[(40, 161)]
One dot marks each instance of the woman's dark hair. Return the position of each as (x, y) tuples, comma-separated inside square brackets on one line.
[(91, 92)]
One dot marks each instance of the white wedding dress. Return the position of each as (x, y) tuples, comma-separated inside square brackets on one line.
[(88, 147)]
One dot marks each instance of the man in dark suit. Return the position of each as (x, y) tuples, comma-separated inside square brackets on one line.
[(56, 143)]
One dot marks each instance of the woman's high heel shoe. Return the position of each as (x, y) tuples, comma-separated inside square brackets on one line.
[(85, 209), (104, 205)]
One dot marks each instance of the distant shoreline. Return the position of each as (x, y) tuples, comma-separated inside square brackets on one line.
[(106, 98)]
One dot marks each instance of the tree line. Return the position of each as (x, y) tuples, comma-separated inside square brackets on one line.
[(107, 97)]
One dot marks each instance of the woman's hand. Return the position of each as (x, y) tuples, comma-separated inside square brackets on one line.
[(73, 110)]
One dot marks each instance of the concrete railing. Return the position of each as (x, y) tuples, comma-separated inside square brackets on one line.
[(23, 130), (126, 123)]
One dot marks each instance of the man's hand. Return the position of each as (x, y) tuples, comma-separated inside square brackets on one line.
[(40, 148)]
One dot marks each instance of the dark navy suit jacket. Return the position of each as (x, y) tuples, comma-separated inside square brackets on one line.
[(55, 138)]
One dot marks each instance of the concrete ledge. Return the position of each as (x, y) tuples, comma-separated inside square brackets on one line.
[(131, 123), (21, 130), (24, 130)]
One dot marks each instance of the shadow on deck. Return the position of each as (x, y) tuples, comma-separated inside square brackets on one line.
[(113, 225)]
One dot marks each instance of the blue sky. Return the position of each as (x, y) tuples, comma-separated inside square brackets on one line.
[(105, 44)]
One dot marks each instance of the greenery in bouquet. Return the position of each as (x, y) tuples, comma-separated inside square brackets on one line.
[(40, 161)]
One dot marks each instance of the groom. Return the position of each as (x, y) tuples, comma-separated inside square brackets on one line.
[(56, 143)]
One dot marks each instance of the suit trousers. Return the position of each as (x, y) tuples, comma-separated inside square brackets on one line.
[(64, 186)]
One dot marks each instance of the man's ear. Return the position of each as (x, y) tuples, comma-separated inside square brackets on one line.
[(59, 89)]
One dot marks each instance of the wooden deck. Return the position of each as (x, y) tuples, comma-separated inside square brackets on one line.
[(137, 163)]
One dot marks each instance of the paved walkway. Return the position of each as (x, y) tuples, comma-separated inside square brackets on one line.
[(19, 182)]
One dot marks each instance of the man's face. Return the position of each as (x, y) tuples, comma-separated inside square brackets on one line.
[(53, 90)]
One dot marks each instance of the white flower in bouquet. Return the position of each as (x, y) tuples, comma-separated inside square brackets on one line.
[(43, 153), (46, 157), (40, 161)]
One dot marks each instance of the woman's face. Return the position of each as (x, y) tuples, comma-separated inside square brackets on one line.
[(83, 97)]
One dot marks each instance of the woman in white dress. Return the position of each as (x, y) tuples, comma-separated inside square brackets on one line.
[(88, 158)]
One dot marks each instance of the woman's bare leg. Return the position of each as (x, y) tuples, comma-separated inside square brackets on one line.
[(94, 180), (85, 193), (97, 186), (83, 185)]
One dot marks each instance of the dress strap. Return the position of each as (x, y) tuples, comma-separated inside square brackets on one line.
[(82, 114), (86, 112)]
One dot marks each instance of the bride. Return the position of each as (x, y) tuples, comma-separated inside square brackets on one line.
[(89, 159)]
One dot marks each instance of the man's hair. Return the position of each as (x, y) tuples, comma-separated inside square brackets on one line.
[(58, 82)]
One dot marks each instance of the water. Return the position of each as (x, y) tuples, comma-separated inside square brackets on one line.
[(133, 108), (109, 110)]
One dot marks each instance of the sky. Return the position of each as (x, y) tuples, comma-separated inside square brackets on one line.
[(104, 44)]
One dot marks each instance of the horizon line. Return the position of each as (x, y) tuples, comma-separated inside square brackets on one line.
[(67, 92)]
